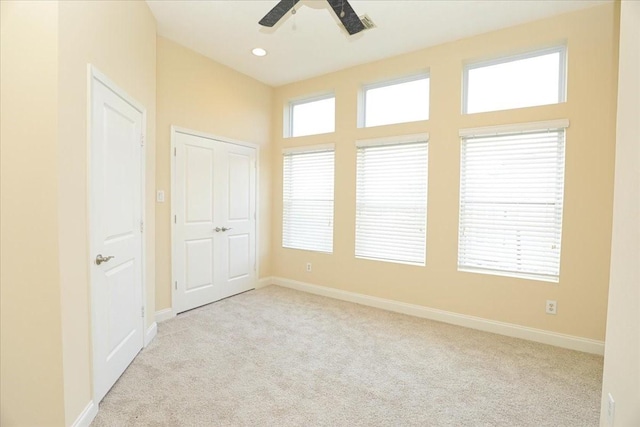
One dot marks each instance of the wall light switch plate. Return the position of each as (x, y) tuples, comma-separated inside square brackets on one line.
[(160, 196)]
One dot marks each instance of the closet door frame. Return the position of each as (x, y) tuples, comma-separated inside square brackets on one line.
[(174, 131)]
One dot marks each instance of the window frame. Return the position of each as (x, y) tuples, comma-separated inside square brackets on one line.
[(562, 77), (292, 151), (362, 101), (504, 130), (289, 116), (400, 140)]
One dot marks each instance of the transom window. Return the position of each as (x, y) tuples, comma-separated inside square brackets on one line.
[(397, 101), (511, 200), (312, 116), (527, 80)]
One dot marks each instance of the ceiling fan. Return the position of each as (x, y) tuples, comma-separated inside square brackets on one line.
[(342, 8)]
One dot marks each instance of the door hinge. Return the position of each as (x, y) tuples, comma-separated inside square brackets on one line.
[(141, 226), (175, 151), (175, 219), (176, 285), (142, 311), (142, 140)]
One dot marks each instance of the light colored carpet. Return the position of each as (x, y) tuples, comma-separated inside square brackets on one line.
[(278, 357)]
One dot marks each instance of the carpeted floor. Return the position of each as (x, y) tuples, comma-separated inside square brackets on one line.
[(278, 357)]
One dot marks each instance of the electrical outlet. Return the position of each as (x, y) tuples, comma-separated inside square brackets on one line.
[(308, 267), (611, 409), (552, 306)]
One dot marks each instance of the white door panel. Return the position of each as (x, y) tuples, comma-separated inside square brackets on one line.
[(198, 268), (198, 170), (195, 215), (240, 186), (239, 256), (116, 213), (214, 189), (239, 195)]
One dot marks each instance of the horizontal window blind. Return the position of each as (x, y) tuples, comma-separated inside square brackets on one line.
[(511, 197), (307, 220), (391, 202)]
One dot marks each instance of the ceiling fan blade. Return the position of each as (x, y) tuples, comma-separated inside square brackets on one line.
[(275, 14), (350, 20)]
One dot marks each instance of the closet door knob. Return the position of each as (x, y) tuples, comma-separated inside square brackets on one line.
[(226, 229), (218, 229), (100, 259)]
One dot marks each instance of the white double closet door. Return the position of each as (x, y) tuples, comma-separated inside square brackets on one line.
[(214, 207)]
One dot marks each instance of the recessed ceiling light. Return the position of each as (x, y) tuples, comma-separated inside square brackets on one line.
[(259, 51)]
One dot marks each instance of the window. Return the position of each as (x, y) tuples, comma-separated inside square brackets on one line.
[(511, 195), (391, 199), (534, 78), (307, 219), (312, 116), (399, 101)]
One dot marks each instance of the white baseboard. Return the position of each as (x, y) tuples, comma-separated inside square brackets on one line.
[(86, 416), (151, 333), (164, 314), (265, 281), (509, 329)]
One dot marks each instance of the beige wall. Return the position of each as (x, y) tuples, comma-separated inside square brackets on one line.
[(45, 350), (118, 38), (197, 93), (622, 350), (31, 391), (591, 36), (46, 46)]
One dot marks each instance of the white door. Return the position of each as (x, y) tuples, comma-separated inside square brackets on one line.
[(214, 203), (237, 196), (116, 234)]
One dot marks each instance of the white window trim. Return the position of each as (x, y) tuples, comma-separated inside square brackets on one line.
[(393, 140), (288, 111), (512, 129), (517, 275), (562, 82), (309, 149), (362, 98)]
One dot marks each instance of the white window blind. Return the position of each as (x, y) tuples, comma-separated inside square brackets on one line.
[(307, 220), (511, 196), (391, 200)]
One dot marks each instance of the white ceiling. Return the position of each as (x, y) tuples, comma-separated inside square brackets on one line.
[(313, 42)]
